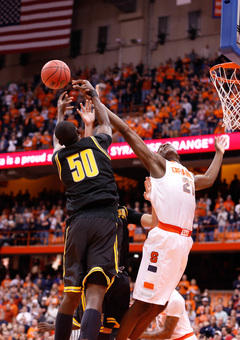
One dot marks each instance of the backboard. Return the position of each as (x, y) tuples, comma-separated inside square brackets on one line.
[(230, 30)]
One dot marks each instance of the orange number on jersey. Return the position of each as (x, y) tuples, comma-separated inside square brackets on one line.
[(154, 256)]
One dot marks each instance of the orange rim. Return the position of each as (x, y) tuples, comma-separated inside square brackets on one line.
[(225, 66)]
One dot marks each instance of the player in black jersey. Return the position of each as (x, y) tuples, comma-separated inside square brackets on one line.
[(117, 298), (90, 253)]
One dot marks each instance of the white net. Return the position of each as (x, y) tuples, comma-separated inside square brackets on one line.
[(226, 79)]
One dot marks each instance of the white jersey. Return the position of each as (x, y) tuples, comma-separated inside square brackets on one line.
[(176, 308), (173, 196)]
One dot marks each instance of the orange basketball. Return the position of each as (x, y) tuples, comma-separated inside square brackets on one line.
[(55, 74)]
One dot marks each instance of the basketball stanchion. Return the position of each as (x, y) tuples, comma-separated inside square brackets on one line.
[(226, 79)]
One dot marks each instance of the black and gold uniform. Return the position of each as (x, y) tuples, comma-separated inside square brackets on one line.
[(117, 299), (92, 200)]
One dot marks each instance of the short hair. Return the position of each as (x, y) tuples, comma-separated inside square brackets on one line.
[(66, 133)]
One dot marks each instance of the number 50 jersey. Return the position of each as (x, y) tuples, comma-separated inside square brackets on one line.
[(85, 169), (173, 196)]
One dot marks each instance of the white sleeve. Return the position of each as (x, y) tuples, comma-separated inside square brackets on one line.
[(175, 306)]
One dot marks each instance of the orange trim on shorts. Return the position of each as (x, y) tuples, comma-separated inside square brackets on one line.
[(174, 229), (185, 336), (148, 285)]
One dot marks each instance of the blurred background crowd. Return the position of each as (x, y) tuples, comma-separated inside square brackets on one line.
[(25, 302), (174, 99), (25, 219)]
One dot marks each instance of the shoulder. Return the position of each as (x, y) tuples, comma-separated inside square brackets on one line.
[(103, 139)]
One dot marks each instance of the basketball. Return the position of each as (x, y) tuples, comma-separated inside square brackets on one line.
[(55, 74)]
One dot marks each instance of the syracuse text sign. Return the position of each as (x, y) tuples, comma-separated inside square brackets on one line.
[(184, 145)]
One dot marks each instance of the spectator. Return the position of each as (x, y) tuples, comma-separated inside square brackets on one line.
[(32, 330), (185, 128), (183, 286), (236, 283), (24, 317), (220, 313), (232, 219), (222, 218), (192, 290), (191, 314), (228, 203), (195, 128), (229, 307), (209, 223), (3, 144)]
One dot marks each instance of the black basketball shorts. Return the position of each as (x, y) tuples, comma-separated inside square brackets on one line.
[(90, 247), (115, 304)]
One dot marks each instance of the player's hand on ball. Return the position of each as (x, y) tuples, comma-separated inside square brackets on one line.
[(63, 102), (83, 85), (148, 188)]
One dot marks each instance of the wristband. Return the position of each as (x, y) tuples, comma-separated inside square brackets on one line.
[(93, 93)]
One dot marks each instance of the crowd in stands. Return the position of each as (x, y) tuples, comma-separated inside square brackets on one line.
[(174, 99), (216, 217), (24, 303)]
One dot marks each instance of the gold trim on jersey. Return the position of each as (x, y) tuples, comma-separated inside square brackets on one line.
[(72, 289), (93, 270), (99, 146), (112, 320), (116, 254), (75, 323), (58, 166), (64, 252)]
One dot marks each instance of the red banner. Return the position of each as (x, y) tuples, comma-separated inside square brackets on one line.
[(184, 145), (217, 8)]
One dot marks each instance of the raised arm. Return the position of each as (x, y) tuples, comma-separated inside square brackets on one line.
[(207, 180), (62, 104), (147, 220), (101, 114), (88, 116), (153, 162)]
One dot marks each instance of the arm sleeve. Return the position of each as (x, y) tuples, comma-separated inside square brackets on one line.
[(134, 217)]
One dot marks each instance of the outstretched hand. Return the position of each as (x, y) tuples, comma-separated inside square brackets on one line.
[(87, 113), (220, 143), (63, 101), (44, 327), (148, 188), (84, 86)]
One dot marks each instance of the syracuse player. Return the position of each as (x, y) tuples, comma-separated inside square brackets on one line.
[(173, 321), (166, 249)]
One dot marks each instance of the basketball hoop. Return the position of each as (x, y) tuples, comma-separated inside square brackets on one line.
[(226, 79)]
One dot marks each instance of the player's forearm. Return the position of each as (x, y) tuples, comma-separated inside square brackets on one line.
[(136, 143), (60, 114), (214, 167), (149, 221), (207, 180), (161, 334), (100, 111), (88, 131)]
